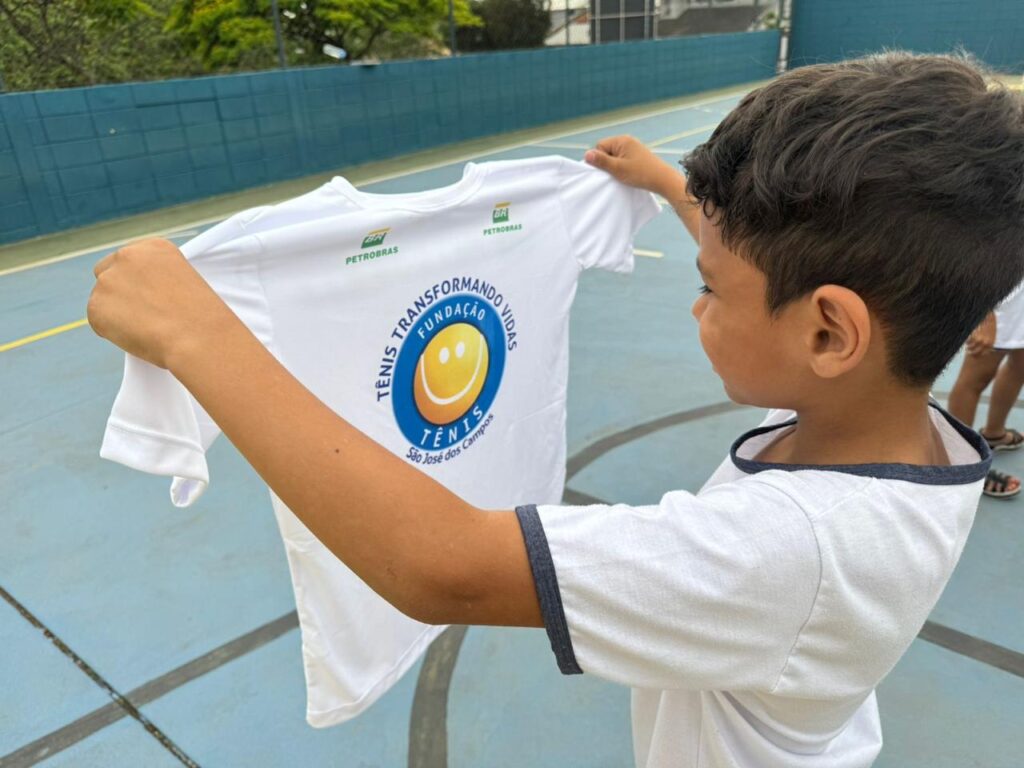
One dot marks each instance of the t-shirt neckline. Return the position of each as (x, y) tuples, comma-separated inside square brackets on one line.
[(425, 201), (955, 474)]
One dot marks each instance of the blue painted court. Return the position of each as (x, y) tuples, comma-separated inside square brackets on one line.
[(137, 634)]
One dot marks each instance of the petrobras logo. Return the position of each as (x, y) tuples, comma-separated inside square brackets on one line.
[(501, 220), (373, 247), (443, 367), (375, 238)]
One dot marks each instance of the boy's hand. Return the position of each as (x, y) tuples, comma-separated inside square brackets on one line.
[(982, 338), (148, 300), (629, 161)]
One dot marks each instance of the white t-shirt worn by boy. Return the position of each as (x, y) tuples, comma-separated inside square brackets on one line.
[(754, 619), (437, 323)]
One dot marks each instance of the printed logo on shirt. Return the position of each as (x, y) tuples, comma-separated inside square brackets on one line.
[(376, 237), (373, 240), (443, 366), (500, 216), (500, 213)]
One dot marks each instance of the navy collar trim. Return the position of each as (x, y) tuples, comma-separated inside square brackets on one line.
[(958, 474)]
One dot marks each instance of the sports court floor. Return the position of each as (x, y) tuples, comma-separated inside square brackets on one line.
[(136, 634)]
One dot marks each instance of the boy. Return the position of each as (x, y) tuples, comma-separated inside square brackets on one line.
[(856, 221)]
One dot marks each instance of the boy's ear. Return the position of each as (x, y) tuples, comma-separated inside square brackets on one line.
[(840, 331)]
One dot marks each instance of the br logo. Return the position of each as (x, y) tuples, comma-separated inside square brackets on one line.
[(448, 372), (500, 214), (375, 238)]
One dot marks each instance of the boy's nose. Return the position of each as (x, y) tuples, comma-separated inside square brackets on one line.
[(698, 308)]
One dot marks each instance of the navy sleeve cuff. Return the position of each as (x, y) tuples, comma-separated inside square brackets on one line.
[(546, 582)]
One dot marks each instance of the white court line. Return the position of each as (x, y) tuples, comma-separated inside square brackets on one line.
[(561, 145), (386, 177), (712, 111), (648, 254), (650, 145), (683, 135)]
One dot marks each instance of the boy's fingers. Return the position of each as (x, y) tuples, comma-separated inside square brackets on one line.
[(600, 159), (611, 145)]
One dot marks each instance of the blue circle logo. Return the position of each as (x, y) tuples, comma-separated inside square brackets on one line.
[(448, 372)]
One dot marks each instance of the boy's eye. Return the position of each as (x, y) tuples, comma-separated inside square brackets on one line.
[(703, 290)]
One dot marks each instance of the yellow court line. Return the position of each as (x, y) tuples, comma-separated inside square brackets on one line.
[(648, 254), (42, 335)]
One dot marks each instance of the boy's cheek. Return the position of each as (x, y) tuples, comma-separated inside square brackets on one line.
[(723, 361), (706, 337), (734, 361)]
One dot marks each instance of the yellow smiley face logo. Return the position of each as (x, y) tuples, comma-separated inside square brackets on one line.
[(450, 373)]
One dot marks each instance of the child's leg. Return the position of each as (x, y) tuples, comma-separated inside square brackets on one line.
[(1008, 380), (1005, 390), (976, 373)]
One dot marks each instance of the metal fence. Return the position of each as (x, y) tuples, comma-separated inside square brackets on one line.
[(613, 21), (570, 25)]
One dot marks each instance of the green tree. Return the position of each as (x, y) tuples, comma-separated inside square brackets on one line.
[(63, 43), (506, 24), (233, 33)]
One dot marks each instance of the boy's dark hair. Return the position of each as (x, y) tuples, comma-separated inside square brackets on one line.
[(900, 177)]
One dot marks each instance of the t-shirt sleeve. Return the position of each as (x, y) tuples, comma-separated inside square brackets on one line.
[(701, 592), (602, 216), (155, 424)]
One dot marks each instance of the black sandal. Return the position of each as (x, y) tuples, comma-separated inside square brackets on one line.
[(997, 485), (1010, 440)]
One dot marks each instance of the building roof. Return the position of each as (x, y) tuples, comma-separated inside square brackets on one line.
[(711, 21)]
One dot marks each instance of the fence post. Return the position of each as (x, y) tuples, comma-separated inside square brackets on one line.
[(277, 34), (451, 27), (785, 22)]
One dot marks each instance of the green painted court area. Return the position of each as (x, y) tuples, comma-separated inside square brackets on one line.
[(137, 634)]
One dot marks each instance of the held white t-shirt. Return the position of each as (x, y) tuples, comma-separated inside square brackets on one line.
[(754, 619), (436, 323)]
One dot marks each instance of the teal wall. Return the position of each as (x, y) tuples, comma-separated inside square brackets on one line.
[(829, 30), (77, 156)]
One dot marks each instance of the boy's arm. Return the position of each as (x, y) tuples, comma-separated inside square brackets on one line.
[(422, 548), (629, 161), (688, 209)]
